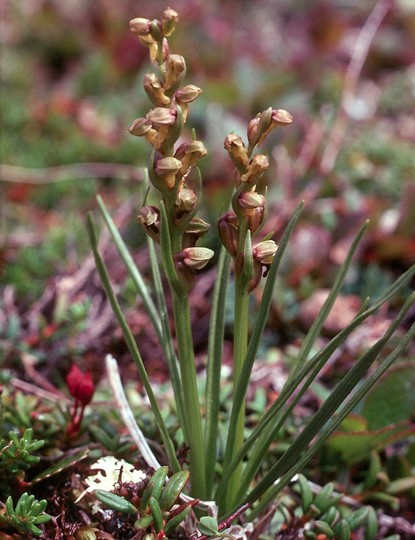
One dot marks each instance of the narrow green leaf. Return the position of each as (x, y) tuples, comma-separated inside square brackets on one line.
[(115, 502), (9, 505), (63, 464), (317, 325), (165, 338), (155, 484), (214, 363), (133, 271), (172, 489), (156, 513), (313, 366), (341, 395), (175, 521), (132, 345)]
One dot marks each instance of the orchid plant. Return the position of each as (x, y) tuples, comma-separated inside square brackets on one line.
[(231, 474)]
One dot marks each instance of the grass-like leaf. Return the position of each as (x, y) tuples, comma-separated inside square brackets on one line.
[(132, 345), (317, 325), (132, 269), (243, 379), (343, 397), (214, 363)]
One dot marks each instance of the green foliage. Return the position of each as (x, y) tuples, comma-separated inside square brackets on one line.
[(18, 454), (168, 224), (159, 509), (28, 513), (324, 514), (355, 441), (392, 400), (208, 526), (376, 159)]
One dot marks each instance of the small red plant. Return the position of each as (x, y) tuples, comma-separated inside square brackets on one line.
[(81, 387)]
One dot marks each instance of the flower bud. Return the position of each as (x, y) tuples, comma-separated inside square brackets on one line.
[(196, 257), (154, 90), (185, 202), (175, 71), (265, 122), (189, 154), (255, 169), (186, 274), (80, 385), (149, 42), (149, 218), (252, 206), (228, 229), (237, 151), (160, 116), (250, 200), (169, 136), (186, 95), (195, 229), (257, 128), (169, 19), (264, 252), (280, 117), (140, 127), (140, 26), (253, 130), (256, 219), (165, 170)]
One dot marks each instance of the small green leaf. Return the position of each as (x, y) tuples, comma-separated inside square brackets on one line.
[(358, 517), (173, 488), (208, 526), (175, 521), (306, 493), (323, 500), (402, 484), (332, 515), (115, 502), (156, 513), (342, 530), (371, 529), (323, 527), (143, 522), (155, 486)]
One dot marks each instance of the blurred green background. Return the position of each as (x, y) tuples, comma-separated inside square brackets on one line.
[(71, 85)]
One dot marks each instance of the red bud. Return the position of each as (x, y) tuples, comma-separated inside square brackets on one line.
[(80, 385)]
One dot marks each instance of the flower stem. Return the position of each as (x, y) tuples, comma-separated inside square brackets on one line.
[(190, 394), (236, 436)]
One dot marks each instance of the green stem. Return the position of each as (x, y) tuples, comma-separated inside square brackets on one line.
[(184, 338), (170, 244), (236, 436)]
